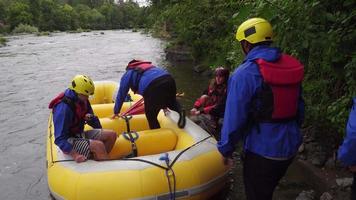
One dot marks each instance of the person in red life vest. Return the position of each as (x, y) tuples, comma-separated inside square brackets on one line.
[(71, 111), (347, 151), (209, 108), (264, 110), (157, 87)]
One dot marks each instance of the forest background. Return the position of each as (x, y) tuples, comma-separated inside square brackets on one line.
[(322, 34)]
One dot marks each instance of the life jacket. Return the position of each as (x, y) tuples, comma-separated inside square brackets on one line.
[(140, 67), (79, 108), (217, 93), (277, 99)]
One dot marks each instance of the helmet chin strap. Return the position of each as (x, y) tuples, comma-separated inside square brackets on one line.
[(246, 46)]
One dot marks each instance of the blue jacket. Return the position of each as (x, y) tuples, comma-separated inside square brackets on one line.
[(128, 80), (63, 117), (347, 151), (272, 140)]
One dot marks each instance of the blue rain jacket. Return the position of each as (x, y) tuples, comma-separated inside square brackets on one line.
[(63, 117), (128, 80), (273, 140), (347, 151)]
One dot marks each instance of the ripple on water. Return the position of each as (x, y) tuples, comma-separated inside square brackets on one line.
[(34, 70)]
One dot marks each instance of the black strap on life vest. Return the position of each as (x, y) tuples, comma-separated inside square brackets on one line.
[(70, 103), (139, 67)]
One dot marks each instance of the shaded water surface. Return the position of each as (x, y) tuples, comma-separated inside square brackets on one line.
[(35, 69)]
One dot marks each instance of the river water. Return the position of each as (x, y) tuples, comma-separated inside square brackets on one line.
[(35, 69)]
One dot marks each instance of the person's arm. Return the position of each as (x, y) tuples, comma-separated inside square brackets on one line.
[(239, 94), (207, 109), (62, 118), (123, 90), (346, 153), (93, 120), (198, 103)]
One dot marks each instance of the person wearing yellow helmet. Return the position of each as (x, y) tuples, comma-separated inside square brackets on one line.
[(82, 84), (71, 111), (264, 109)]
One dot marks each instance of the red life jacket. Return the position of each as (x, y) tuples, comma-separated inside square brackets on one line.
[(217, 93), (140, 67), (281, 88), (79, 108)]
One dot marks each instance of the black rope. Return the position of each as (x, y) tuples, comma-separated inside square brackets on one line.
[(172, 192), (145, 161), (50, 137), (123, 159), (186, 149)]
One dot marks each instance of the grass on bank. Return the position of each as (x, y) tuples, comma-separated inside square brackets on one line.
[(24, 28)]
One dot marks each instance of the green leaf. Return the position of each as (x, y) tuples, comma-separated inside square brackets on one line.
[(348, 3)]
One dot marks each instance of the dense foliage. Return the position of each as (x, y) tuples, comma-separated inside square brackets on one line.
[(321, 34), (62, 15)]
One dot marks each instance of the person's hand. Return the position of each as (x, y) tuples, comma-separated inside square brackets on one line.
[(228, 161), (88, 117), (114, 116), (194, 111), (352, 168), (165, 111)]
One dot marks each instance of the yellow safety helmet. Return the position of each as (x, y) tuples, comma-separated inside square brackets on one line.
[(254, 30), (82, 84)]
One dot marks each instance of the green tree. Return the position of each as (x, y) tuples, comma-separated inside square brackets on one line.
[(111, 14), (19, 13), (83, 14), (96, 19), (64, 18), (321, 34)]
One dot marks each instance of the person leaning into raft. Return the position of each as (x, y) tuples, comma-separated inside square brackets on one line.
[(157, 87), (71, 110), (347, 151), (210, 107), (264, 109)]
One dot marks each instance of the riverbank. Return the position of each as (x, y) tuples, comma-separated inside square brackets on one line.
[(313, 175), (320, 167)]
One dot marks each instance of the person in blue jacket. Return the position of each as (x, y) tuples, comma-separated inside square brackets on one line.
[(264, 110), (347, 151), (157, 87), (71, 110)]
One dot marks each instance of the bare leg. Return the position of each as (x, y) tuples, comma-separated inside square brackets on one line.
[(108, 137), (98, 149)]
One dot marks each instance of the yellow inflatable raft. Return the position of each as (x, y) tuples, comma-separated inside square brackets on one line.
[(171, 163)]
